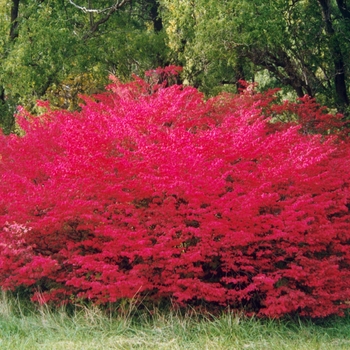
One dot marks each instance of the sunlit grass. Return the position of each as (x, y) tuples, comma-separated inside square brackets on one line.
[(24, 326)]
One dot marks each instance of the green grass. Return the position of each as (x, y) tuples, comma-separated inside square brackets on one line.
[(23, 326)]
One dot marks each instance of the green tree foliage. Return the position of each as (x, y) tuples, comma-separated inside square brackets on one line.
[(301, 44), (58, 49)]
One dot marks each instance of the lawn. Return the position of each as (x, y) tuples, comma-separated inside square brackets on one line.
[(25, 326)]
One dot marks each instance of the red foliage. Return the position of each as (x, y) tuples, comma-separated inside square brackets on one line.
[(166, 195)]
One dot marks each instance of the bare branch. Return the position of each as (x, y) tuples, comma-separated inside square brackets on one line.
[(109, 11), (113, 8)]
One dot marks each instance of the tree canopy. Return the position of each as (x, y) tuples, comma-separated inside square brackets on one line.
[(302, 44), (58, 49)]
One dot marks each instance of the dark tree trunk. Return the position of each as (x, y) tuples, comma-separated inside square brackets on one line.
[(14, 19), (239, 75), (335, 48), (154, 12), (340, 79)]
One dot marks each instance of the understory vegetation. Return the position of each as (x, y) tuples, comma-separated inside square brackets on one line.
[(129, 326)]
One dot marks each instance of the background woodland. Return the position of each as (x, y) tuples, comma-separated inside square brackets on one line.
[(57, 50)]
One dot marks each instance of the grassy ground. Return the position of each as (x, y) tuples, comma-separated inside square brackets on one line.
[(26, 327)]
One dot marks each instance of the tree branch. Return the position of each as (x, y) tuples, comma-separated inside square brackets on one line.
[(109, 10), (89, 10), (343, 8)]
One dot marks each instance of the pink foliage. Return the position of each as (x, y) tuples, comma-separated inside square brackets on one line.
[(159, 193)]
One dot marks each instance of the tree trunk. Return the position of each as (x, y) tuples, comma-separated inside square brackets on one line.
[(14, 17), (335, 49), (156, 19)]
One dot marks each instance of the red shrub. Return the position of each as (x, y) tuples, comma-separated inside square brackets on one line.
[(154, 191)]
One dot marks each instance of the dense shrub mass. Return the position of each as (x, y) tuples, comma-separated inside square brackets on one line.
[(152, 191)]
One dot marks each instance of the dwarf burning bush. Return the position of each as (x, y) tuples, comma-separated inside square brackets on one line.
[(153, 191)]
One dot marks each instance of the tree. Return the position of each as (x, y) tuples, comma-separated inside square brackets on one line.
[(58, 49), (302, 44)]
